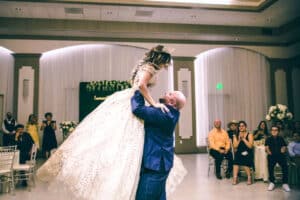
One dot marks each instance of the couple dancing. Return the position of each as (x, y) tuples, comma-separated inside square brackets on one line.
[(103, 158)]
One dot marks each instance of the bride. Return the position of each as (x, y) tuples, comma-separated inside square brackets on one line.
[(101, 159)]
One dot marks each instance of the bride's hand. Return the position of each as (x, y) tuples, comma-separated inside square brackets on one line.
[(163, 107)]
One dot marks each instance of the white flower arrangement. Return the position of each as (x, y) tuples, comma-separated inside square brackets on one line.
[(279, 112), (67, 127)]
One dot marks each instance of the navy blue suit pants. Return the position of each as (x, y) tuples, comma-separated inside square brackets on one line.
[(152, 185)]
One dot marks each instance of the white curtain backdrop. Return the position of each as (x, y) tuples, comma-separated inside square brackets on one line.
[(244, 76), (62, 70), (6, 79)]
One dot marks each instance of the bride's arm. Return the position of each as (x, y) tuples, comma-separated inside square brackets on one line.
[(143, 87)]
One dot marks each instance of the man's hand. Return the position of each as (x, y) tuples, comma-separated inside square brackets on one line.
[(17, 135), (283, 149), (163, 107), (222, 151)]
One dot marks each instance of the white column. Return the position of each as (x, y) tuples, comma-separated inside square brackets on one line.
[(25, 93), (185, 120)]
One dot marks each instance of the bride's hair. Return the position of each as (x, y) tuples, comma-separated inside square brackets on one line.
[(155, 56)]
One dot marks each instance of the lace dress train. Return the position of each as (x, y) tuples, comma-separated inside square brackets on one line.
[(101, 159)]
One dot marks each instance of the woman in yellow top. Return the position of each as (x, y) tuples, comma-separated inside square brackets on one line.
[(33, 130)]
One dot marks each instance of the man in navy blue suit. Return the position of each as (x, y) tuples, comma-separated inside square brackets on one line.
[(158, 147)]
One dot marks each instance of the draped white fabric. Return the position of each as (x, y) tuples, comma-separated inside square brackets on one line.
[(62, 70), (6, 79), (231, 83)]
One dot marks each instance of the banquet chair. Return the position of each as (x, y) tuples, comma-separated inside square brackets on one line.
[(26, 172), (211, 162), (244, 174), (7, 154), (252, 172)]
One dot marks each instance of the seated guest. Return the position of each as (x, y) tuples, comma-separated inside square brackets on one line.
[(33, 130), (232, 128), (219, 148), (243, 143), (261, 132), (276, 149), (294, 149), (24, 143)]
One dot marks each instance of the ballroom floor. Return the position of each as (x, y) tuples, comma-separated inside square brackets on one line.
[(195, 186)]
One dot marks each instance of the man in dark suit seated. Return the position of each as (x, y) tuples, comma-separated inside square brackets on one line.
[(158, 147), (24, 143)]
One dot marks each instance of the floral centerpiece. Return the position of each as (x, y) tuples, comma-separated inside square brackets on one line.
[(279, 112), (67, 127)]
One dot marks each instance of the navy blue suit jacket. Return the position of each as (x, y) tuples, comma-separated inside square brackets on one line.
[(159, 127)]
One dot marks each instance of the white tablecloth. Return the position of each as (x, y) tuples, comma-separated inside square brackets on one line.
[(261, 163)]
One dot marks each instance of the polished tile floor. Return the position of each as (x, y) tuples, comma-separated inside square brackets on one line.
[(196, 186)]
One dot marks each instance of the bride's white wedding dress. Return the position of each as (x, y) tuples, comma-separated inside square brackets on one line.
[(101, 159)]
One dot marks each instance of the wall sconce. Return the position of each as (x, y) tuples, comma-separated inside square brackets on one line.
[(25, 88)]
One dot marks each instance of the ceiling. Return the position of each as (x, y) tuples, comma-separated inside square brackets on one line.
[(278, 13), (270, 23)]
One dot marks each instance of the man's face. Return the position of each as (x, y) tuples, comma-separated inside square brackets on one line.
[(274, 131), (20, 130), (168, 98), (233, 127), (296, 137), (8, 115), (217, 124)]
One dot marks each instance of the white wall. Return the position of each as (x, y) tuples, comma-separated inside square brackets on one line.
[(188, 50), (6, 79), (62, 70), (25, 93)]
